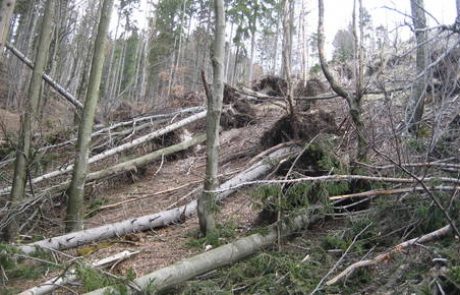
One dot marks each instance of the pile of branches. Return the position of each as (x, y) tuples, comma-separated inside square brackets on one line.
[(146, 138)]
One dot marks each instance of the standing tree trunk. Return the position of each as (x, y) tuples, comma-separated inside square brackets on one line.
[(353, 100), (206, 204), (457, 20), (6, 11), (229, 53), (251, 62), (77, 186), (416, 103), (23, 149), (287, 58), (275, 54)]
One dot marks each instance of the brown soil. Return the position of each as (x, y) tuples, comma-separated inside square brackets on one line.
[(308, 126), (145, 194)]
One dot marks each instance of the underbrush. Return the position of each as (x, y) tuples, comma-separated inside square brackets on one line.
[(15, 267), (310, 259)]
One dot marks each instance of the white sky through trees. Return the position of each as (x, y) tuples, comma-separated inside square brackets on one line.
[(338, 13), (392, 14)]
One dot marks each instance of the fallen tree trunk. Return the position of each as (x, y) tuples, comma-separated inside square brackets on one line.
[(387, 255), (71, 276), (264, 97), (59, 89), (189, 268), (261, 96), (111, 171), (145, 159), (388, 192), (160, 219), (118, 149), (111, 127), (347, 177)]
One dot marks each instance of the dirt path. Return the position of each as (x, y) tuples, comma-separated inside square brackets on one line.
[(144, 194)]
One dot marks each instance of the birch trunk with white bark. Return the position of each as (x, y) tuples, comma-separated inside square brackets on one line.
[(164, 218)]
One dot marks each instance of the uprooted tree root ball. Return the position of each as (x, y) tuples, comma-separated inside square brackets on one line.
[(237, 115), (236, 112), (308, 126), (317, 159)]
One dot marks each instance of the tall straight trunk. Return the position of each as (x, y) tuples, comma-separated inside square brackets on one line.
[(275, 54), (171, 71), (109, 83), (23, 149), (229, 53), (207, 201), (457, 2), (86, 64), (235, 65), (116, 74), (6, 12), (179, 48), (303, 41), (134, 88), (145, 66), (287, 58), (251, 62), (25, 40), (73, 220), (121, 68), (417, 102)]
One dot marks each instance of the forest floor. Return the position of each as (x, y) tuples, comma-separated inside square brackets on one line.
[(295, 266)]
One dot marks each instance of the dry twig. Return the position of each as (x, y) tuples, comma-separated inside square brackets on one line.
[(387, 255)]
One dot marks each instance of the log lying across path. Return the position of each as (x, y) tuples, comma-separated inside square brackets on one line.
[(119, 168), (189, 268), (160, 219), (153, 118), (118, 149), (135, 163)]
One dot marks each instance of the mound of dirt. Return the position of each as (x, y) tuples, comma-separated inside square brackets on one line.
[(125, 110), (309, 88), (230, 95), (236, 112), (309, 125), (237, 115), (189, 99), (271, 85)]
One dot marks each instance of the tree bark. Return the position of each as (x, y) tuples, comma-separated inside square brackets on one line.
[(189, 268), (25, 141), (73, 218), (71, 275), (52, 83), (164, 218), (251, 61), (287, 57), (206, 204), (130, 165), (416, 103), (6, 11), (457, 5), (118, 149), (353, 99)]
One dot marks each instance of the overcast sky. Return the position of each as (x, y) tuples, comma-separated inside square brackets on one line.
[(338, 13)]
